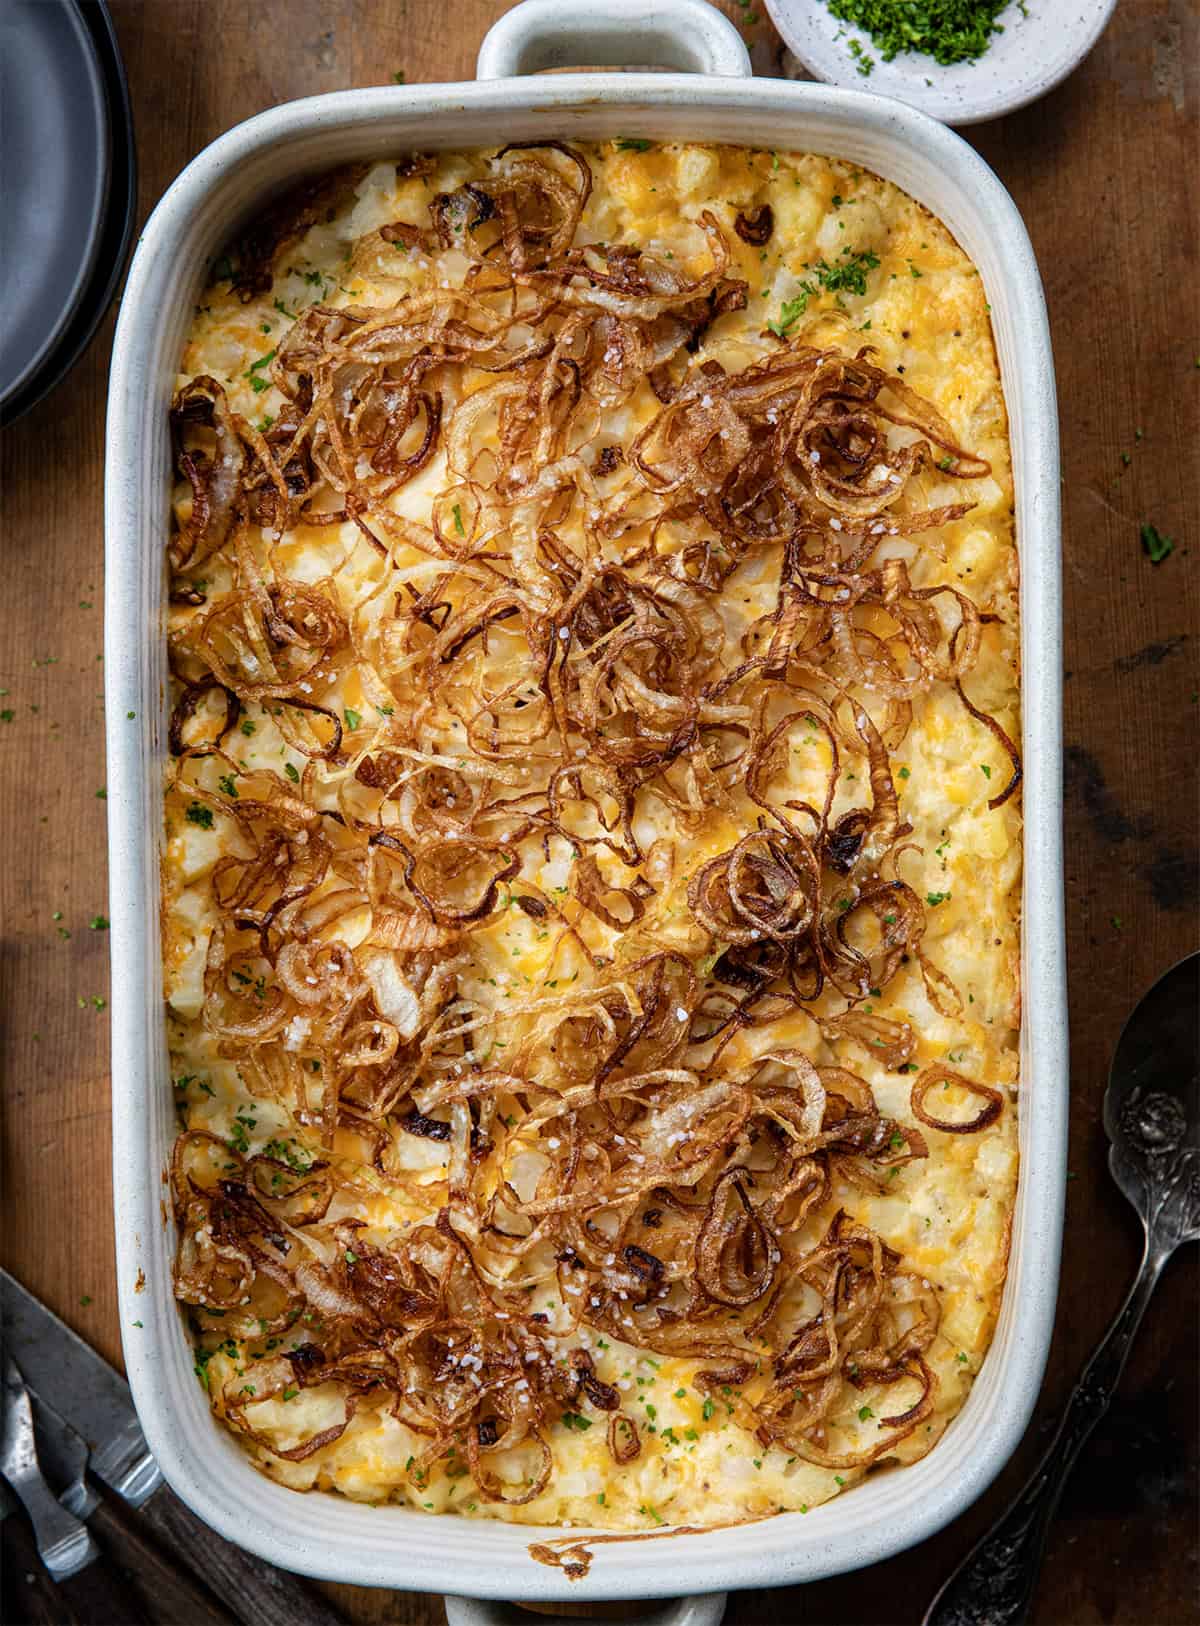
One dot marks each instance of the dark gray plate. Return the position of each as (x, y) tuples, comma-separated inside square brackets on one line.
[(55, 164)]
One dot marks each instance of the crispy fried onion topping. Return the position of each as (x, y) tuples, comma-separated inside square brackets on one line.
[(536, 672)]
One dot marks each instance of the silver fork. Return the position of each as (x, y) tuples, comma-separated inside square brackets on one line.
[(62, 1541)]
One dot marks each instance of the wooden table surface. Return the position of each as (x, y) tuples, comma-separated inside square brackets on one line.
[(1105, 172)]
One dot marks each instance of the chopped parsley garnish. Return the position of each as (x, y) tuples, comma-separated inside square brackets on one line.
[(864, 1412), (197, 813), (633, 144), (572, 1419), (353, 718), (243, 1125), (289, 768), (947, 30), (282, 1152), (852, 276), (227, 785), (790, 313), (934, 898), (458, 524), (258, 385), (848, 274)]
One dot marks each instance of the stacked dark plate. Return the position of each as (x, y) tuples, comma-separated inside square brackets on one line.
[(67, 185)]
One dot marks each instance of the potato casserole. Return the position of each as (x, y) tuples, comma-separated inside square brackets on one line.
[(592, 846)]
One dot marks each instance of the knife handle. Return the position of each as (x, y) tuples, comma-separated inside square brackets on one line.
[(98, 1595), (256, 1592)]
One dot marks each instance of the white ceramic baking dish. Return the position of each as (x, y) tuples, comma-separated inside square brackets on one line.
[(715, 100)]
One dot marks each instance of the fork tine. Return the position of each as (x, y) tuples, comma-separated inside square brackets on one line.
[(63, 1542)]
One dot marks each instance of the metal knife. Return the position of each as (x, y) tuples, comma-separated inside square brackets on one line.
[(83, 1389)]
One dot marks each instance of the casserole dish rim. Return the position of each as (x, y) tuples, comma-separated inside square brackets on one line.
[(325, 1535)]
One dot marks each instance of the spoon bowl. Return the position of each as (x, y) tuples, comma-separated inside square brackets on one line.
[(1152, 1107)]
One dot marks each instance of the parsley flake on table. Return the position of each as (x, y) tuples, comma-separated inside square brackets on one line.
[(1156, 546)]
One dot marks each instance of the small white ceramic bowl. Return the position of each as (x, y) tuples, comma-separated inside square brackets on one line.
[(1036, 51)]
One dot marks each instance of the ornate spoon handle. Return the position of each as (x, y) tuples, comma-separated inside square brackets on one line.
[(994, 1585)]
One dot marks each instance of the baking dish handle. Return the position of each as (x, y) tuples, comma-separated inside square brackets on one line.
[(706, 1609), (688, 35)]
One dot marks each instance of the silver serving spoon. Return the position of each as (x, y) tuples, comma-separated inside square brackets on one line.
[(1152, 1117)]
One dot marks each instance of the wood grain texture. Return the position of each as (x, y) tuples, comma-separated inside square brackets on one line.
[(1105, 173)]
